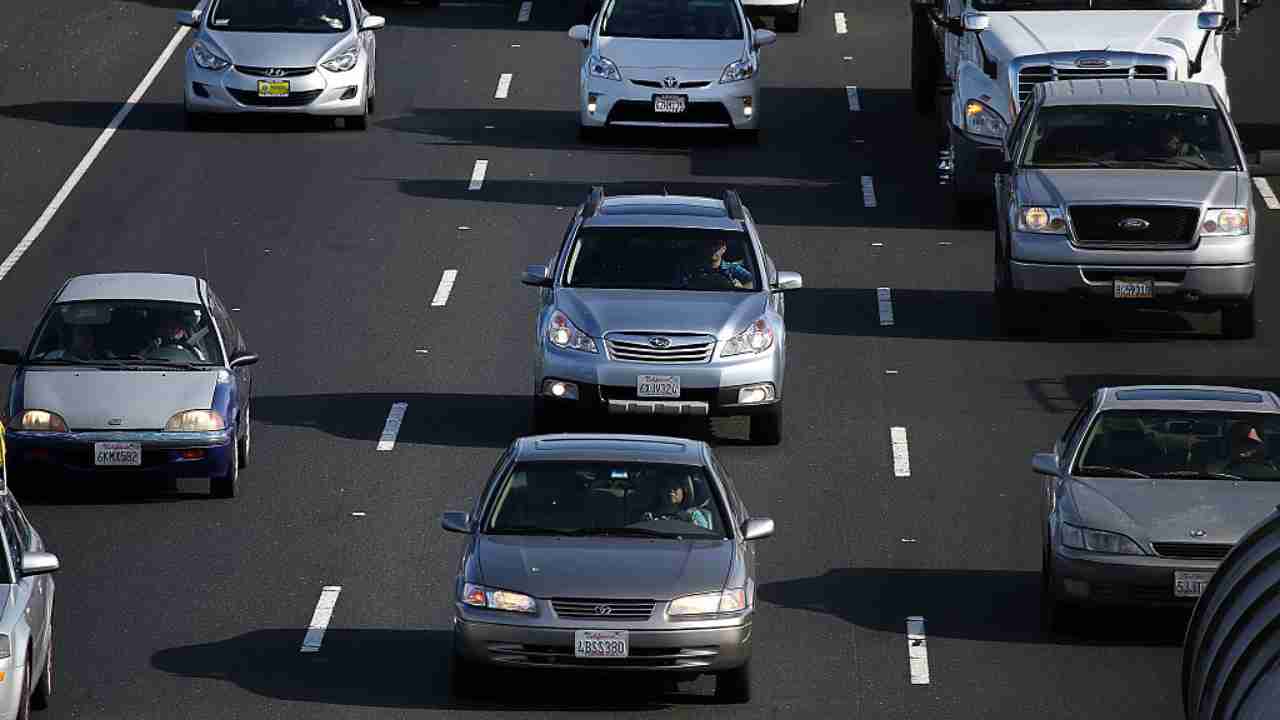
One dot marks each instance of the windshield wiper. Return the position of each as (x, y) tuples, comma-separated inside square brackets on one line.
[(624, 532), (1111, 470), (1181, 161), (1072, 161), (1197, 475)]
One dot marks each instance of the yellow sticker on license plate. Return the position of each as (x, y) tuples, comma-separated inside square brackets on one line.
[(273, 88)]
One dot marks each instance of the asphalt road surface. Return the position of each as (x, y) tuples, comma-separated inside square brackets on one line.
[(332, 245)]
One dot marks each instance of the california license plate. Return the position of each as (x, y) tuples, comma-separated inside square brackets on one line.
[(1189, 583), (669, 103), (600, 644), (273, 88), (1134, 288), (117, 454), (658, 386)]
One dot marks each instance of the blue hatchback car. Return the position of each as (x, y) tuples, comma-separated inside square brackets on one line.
[(132, 372)]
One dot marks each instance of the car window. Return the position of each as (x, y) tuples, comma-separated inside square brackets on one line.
[(126, 332), (672, 19), (654, 258), (1143, 137), (1182, 444), (607, 498), (303, 16)]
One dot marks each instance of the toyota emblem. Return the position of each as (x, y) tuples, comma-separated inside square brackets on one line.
[(660, 342), (1197, 533), (603, 610), (670, 81), (274, 72), (1134, 224)]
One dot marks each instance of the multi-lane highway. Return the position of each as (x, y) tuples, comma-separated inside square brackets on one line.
[(332, 246)]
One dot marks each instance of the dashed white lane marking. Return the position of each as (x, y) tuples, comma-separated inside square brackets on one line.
[(1264, 189), (917, 651), (504, 86), (94, 150), (901, 453), (884, 302), (447, 278), (842, 26), (477, 175), (868, 191), (320, 618), (387, 442), (855, 104), (526, 9)]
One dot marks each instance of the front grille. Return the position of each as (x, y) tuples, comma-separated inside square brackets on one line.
[(251, 97), (1167, 227), (1032, 75), (594, 608), (284, 72), (1192, 551), (689, 85), (639, 658), (706, 113), (686, 349)]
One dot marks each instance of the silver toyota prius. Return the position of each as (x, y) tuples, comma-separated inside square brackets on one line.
[(314, 57), (1149, 488), (611, 553)]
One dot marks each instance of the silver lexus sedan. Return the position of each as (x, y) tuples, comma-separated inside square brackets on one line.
[(315, 57), (611, 553), (26, 611), (1149, 488)]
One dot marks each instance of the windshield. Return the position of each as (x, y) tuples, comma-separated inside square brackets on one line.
[(1182, 445), (1021, 5), (661, 259), (1130, 137), (126, 332), (607, 498), (672, 19), (303, 16)]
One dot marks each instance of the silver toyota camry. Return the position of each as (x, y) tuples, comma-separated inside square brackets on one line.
[(315, 57), (1149, 488), (611, 553)]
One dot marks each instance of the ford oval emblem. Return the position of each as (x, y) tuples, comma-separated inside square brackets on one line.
[(660, 342), (1093, 63), (1134, 224), (1197, 533)]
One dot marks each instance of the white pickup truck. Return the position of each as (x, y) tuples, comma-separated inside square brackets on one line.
[(974, 62)]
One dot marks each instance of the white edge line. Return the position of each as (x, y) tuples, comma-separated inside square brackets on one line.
[(387, 441), (917, 651), (868, 191), (901, 452), (447, 279), (320, 618), (855, 103), (884, 305), (842, 25), (504, 86), (477, 175), (94, 150), (1264, 189), (526, 9)]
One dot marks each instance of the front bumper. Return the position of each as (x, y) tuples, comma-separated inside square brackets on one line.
[(318, 93), (627, 104), (1174, 285), (162, 453), (1089, 579)]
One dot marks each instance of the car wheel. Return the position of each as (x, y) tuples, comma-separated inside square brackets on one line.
[(788, 22), (1238, 320), (242, 450), (227, 485), (766, 428), (44, 688), (734, 686)]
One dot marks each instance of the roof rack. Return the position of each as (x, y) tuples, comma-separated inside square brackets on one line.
[(593, 201), (733, 204)]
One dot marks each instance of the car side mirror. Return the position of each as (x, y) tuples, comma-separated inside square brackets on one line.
[(373, 22), (757, 528), (1045, 463), (38, 563), (762, 37), (789, 281), (188, 18), (994, 163), (536, 276), (975, 22), (243, 360), (456, 522), (9, 356), (1211, 20), (1265, 164), (581, 33)]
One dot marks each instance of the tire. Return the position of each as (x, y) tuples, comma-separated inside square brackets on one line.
[(462, 677), (243, 447), (747, 137), (788, 22), (226, 486), (590, 134), (547, 420), (1055, 615), (766, 428), (44, 689), (923, 66), (357, 123), (734, 686), (1017, 314), (1238, 320), (196, 122)]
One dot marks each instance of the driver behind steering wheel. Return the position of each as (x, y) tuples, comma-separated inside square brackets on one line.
[(673, 503), (712, 270), (178, 329)]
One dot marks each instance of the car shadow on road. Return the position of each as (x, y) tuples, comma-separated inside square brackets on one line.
[(981, 605), (158, 116), (400, 669), (481, 15), (123, 489)]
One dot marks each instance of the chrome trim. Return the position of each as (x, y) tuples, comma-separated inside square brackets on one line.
[(1067, 61)]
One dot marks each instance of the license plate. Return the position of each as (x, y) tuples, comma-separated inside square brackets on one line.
[(117, 454), (669, 103), (659, 386), (600, 643), (1134, 288), (1190, 584), (273, 88)]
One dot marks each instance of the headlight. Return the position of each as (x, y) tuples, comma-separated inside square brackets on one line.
[(196, 421), (603, 67), (1098, 541), (483, 597), (343, 61), (1048, 220), (980, 119), (709, 603), (41, 421), (564, 334), (741, 70), (6, 647), (757, 338), (206, 58), (1225, 221)]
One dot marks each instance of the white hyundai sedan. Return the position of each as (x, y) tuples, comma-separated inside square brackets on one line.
[(313, 57)]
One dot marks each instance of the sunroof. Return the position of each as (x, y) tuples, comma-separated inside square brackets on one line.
[(1189, 394), (664, 209)]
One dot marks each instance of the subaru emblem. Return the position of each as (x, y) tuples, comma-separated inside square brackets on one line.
[(1197, 533), (1134, 224), (670, 81), (603, 610), (660, 342)]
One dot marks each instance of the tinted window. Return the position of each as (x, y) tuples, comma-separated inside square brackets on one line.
[(1021, 5), (1172, 394), (1174, 444), (324, 16), (679, 19), (126, 332), (661, 259), (1117, 136)]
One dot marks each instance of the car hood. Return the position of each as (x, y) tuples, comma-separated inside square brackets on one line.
[(142, 400), (641, 53), (1138, 187), (723, 314), (1014, 34), (603, 567), (277, 49), (1168, 510)]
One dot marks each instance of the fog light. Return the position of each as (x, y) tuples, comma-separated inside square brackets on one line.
[(349, 93), (752, 394), (191, 454), (199, 89), (560, 389), (1076, 588), (746, 106), (591, 103)]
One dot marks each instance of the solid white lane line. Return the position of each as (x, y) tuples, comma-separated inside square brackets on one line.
[(94, 150), (445, 287), (842, 26), (917, 651), (477, 174), (387, 442), (1264, 189), (504, 86), (320, 619), (868, 191), (884, 302), (854, 103), (526, 8), (901, 453)]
